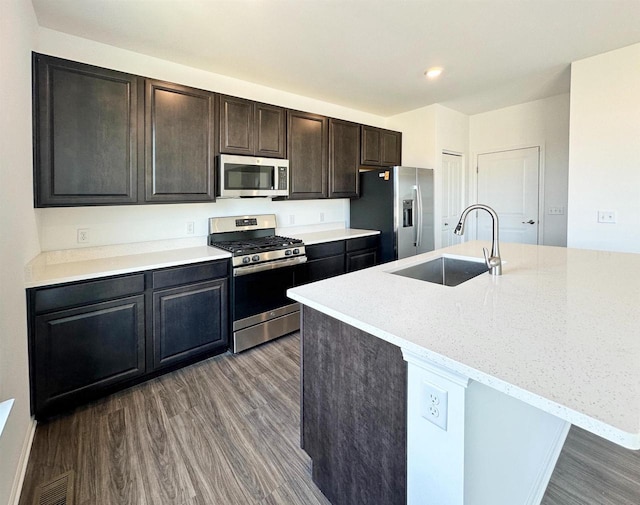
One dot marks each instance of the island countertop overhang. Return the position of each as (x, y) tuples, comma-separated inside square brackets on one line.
[(559, 330)]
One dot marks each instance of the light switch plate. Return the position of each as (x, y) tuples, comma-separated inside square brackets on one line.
[(607, 216)]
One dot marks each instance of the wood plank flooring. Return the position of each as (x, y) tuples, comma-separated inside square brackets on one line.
[(226, 432), (223, 431)]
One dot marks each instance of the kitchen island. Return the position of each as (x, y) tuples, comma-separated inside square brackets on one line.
[(550, 343)]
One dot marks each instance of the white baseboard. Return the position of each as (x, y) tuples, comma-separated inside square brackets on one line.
[(16, 489)]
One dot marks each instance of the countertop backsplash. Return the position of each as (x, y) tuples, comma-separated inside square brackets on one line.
[(119, 225)]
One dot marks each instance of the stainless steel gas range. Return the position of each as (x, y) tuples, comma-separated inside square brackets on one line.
[(263, 268)]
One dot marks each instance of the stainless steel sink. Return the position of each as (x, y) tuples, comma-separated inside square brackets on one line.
[(445, 271)]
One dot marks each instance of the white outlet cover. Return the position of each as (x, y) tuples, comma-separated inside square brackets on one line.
[(434, 404), (607, 216), (83, 235)]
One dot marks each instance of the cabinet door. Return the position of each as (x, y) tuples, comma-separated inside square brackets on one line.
[(362, 252), (324, 260), (307, 143), (86, 134), (236, 125), (316, 270), (391, 148), (270, 131), (344, 158), (179, 161), (362, 259), (189, 321), (370, 148), (76, 353)]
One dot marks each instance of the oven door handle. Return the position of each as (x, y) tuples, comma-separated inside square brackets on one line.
[(271, 265)]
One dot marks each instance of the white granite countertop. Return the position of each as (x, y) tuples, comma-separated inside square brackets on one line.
[(319, 237), (57, 267), (560, 329)]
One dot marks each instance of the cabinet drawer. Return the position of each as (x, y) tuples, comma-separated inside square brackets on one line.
[(60, 297), (326, 249), (356, 244), (176, 276), (317, 270)]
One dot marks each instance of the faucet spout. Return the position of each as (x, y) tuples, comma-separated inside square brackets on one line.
[(493, 261)]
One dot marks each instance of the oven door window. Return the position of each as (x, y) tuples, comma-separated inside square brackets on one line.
[(261, 292), (237, 176)]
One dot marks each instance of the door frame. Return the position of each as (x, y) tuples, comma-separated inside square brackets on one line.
[(465, 196), (473, 182)]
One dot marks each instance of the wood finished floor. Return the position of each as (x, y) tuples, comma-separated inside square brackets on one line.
[(226, 432)]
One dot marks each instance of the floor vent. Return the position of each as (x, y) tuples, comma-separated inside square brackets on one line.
[(58, 491)]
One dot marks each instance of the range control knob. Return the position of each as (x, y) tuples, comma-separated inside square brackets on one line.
[(255, 257), (287, 252), (246, 259), (296, 251)]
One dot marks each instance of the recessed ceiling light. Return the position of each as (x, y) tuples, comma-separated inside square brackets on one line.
[(434, 72)]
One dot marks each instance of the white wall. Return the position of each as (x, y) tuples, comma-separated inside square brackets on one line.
[(113, 225), (542, 122), (418, 129), (141, 223), (427, 132), (19, 233), (604, 162)]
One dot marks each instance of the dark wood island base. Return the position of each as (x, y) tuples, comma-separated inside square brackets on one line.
[(353, 412)]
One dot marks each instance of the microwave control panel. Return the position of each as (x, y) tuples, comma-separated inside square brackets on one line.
[(282, 178)]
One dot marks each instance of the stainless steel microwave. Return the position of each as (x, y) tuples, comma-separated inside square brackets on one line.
[(248, 176)]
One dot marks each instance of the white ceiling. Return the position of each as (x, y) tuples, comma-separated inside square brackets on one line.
[(369, 55)]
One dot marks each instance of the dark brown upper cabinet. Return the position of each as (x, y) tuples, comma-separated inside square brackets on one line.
[(380, 147), (251, 128), (307, 142), (344, 158), (179, 143), (86, 134)]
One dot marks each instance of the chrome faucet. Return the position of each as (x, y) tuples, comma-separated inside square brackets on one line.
[(494, 262)]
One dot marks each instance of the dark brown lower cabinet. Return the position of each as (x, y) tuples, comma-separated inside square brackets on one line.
[(90, 338), (354, 415), (323, 261), (329, 259), (83, 350), (187, 321), (362, 253)]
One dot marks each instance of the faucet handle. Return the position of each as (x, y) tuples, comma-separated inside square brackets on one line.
[(494, 263)]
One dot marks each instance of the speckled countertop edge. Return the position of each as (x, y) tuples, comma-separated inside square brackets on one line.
[(59, 267), (538, 333)]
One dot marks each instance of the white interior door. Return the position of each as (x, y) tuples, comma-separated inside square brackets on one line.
[(452, 197), (508, 181)]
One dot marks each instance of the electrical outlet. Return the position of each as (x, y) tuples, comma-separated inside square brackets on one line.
[(83, 235), (292, 219), (190, 227), (322, 217), (607, 216), (434, 403)]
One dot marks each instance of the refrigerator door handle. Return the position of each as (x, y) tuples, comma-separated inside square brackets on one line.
[(419, 213)]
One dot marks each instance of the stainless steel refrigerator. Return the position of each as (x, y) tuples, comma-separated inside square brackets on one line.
[(398, 201)]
